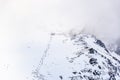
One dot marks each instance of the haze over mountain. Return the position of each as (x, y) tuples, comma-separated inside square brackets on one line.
[(25, 26)]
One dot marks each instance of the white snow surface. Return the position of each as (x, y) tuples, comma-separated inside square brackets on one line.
[(78, 57)]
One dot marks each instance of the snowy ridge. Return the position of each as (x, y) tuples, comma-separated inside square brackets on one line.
[(78, 57)]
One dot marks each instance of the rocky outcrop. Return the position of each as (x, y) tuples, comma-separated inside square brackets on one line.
[(78, 57)]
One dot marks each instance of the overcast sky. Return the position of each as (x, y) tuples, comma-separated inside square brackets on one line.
[(25, 26)]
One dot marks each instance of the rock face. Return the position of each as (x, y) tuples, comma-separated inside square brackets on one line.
[(79, 57)]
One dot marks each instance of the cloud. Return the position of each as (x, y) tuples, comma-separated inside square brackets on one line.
[(100, 17)]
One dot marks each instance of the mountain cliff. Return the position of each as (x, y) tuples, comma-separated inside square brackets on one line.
[(78, 57)]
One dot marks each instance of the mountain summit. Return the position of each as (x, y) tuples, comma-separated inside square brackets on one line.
[(78, 57)]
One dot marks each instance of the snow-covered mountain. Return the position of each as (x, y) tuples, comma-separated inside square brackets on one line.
[(77, 57)]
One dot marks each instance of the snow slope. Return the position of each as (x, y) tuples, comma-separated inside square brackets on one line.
[(77, 57)]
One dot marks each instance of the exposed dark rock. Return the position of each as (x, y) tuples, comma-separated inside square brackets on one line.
[(99, 67), (61, 77), (92, 51), (100, 43), (96, 72), (93, 61), (74, 72)]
